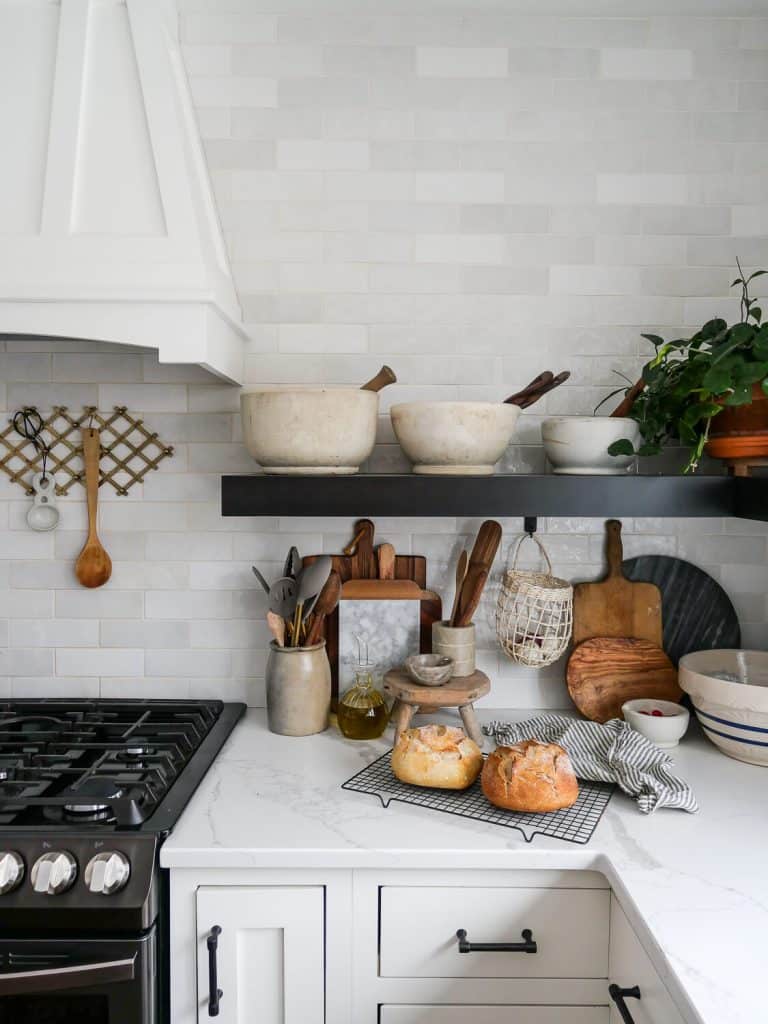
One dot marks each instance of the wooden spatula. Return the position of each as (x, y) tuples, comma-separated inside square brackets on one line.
[(615, 606), (94, 566), (605, 671)]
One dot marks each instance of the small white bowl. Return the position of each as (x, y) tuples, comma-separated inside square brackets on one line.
[(454, 438), (665, 730), (729, 692), (579, 444)]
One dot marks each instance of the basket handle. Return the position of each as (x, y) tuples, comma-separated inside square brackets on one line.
[(542, 550)]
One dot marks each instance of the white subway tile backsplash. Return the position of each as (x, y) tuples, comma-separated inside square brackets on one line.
[(467, 192), (653, 65), (461, 62)]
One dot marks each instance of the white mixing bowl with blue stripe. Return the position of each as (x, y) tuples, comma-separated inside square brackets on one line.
[(729, 693)]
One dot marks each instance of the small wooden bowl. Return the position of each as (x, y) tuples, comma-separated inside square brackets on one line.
[(429, 669)]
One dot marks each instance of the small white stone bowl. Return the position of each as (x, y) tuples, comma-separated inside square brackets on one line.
[(579, 444), (665, 730), (429, 669)]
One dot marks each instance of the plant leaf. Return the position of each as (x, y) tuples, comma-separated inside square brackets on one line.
[(621, 447), (654, 339)]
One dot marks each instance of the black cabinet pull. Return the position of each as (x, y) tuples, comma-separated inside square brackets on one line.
[(214, 992), (618, 995), (528, 945)]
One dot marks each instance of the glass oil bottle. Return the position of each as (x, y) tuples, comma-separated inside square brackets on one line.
[(362, 711)]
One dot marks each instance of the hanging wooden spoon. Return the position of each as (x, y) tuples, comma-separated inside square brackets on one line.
[(94, 566)]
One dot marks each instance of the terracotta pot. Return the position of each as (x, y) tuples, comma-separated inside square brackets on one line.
[(741, 431)]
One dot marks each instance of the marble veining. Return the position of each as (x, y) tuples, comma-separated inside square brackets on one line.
[(694, 886)]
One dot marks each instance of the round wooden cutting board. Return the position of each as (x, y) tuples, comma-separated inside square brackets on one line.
[(606, 671)]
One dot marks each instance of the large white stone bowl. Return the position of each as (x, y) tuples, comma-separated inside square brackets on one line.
[(729, 692), (454, 438), (579, 444), (311, 430)]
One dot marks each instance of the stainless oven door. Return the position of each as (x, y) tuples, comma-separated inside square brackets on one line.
[(79, 981)]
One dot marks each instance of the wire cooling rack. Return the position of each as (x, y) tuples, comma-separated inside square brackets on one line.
[(575, 824)]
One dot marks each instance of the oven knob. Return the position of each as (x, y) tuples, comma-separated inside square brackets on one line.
[(107, 872), (54, 872), (11, 871)]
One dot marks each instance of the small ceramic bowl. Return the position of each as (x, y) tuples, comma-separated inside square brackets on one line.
[(579, 444), (665, 730), (429, 669)]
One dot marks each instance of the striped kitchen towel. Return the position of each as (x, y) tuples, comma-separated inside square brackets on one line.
[(613, 752)]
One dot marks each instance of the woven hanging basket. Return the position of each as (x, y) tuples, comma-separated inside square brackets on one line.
[(534, 613)]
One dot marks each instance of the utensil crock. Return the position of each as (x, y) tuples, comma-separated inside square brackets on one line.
[(298, 689), (457, 642)]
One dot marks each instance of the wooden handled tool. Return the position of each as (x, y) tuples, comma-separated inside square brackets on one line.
[(604, 672), (461, 572), (325, 605), (616, 607), (384, 377), (471, 592), (480, 561), (538, 387), (386, 555), (625, 405), (94, 566)]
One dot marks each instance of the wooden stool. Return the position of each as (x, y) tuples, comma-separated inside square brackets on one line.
[(459, 692)]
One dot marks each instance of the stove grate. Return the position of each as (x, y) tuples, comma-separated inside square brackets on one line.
[(575, 824)]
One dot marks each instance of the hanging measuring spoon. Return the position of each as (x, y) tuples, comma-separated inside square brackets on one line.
[(44, 512)]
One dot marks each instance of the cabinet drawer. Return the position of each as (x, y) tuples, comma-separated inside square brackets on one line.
[(436, 1014), (418, 932)]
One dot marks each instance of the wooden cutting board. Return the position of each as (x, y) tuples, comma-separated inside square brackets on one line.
[(616, 606), (605, 671)]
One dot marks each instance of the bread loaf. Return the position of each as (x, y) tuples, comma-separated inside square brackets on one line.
[(530, 776), (439, 756)]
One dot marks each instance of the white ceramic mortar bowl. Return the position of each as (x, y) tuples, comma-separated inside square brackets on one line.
[(579, 444), (733, 712), (311, 430), (665, 730), (454, 438)]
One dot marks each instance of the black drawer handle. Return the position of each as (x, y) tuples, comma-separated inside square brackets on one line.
[(528, 945), (214, 992), (618, 995)]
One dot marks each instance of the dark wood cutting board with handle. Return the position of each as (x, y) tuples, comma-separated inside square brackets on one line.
[(616, 606), (606, 671), (696, 611)]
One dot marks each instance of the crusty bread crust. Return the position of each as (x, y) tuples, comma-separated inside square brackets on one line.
[(530, 776), (438, 756)]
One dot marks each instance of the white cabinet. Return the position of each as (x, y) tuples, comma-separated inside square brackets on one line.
[(269, 956), (488, 1014), (629, 965)]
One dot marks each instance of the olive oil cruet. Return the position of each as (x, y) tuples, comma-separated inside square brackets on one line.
[(362, 711)]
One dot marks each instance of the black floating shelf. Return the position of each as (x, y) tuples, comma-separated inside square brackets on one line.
[(503, 495)]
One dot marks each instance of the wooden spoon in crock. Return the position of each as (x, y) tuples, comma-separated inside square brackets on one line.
[(94, 566)]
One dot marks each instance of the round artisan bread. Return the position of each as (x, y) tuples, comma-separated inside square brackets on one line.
[(530, 776), (439, 756)]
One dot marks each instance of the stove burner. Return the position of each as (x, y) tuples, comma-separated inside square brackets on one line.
[(31, 723), (88, 801), (136, 753)]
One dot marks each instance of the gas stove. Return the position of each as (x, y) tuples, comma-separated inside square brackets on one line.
[(88, 791)]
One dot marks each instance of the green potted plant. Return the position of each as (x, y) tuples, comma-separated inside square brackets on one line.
[(710, 392)]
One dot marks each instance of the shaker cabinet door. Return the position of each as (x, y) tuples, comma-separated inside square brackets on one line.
[(267, 959), (630, 966)]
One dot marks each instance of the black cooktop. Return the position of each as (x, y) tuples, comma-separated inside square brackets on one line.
[(105, 764)]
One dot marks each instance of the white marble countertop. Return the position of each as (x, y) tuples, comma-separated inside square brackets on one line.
[(694, 886)]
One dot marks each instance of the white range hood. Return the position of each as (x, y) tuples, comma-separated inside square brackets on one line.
[(108, 226)]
